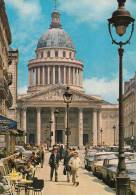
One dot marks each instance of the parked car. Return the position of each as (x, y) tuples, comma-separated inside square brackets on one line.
[(88, 160), (109, 172), (26, 153), (98, 162)]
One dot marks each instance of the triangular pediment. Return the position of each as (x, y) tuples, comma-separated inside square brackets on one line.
[(56, 94)]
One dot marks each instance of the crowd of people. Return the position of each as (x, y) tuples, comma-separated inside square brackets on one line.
[(71, 162), (26, 166)]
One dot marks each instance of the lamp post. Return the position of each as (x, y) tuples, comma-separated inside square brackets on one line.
[(56, 112), (114, 129), (132, 134), (101, 131), (121, 19), (67, 96), (51, 133)]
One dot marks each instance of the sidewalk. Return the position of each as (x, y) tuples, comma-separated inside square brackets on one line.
[(89, 185)]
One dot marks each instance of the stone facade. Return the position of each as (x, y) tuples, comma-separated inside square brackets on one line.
[(5, 61), (13, 87), (130, 107), (54, 68)]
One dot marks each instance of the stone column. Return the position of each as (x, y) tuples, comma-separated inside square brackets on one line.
[(80, 135), (73, 76), (43, 75), (24, 123), (34, 77), (94, 127), (64, 75), (38, 133), (98, 127), (38, 76), (48, 75), (59, 75), (69, 76), (53, 74), (53, 126), (77, 77)]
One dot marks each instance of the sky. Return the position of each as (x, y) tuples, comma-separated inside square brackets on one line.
[(86, 23)]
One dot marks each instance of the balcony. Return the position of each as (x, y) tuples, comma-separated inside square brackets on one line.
[(9, 100), (9, 79), (3, 86)]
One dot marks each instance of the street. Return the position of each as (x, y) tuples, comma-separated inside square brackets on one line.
[(89, 185)]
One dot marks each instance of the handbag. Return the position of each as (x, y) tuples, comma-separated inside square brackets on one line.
[(64, 171)]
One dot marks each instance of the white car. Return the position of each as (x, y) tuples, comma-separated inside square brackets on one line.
[(24, 152)]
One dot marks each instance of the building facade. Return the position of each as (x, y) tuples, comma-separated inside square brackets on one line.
[(54, 68), (13, 68), (5, 61), (130, 107)]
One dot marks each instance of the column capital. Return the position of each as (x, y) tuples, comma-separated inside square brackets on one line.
[(38, 109), (80, 109), (24, 109)]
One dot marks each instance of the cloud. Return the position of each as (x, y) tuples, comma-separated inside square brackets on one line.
[(107, 89), (22, 90), (26, 9), (91, 11), (88, 10)]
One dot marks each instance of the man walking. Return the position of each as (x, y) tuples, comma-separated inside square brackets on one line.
[(67, 157), (75, 163), (54, 164)]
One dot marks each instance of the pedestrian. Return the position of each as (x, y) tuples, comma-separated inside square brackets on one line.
[(41, 156), (54, 164), (67, 168), (75, 163)]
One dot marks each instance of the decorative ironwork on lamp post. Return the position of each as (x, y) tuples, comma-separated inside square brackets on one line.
[(121, 19), (67, 96), (114, 129)]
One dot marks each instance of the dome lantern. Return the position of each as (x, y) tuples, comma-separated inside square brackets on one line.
[(55, 20)]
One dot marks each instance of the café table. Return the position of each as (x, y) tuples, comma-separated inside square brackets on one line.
[(25, 183)]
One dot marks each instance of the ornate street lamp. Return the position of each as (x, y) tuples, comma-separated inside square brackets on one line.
[(120, 20), (51, 133), (114, 129), (67, 96), (101, 131)]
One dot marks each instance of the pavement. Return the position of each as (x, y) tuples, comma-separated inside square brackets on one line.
[(89, 185)]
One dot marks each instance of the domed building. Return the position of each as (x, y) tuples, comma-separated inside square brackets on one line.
[(55, 68)]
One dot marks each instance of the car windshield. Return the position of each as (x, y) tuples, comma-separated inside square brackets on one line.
[(105, 156)]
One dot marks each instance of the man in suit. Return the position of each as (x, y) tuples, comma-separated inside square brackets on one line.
[(54, 164)]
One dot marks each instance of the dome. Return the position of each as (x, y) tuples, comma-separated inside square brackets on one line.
[(55, 37)]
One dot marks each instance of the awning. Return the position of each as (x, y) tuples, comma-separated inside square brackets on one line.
[(7, 124)]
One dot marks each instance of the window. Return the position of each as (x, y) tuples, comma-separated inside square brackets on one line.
[(48, 54), (64, 54), (56, 54), (70, 55), (41, 54)]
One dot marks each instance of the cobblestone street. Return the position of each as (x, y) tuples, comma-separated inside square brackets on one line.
[(89, 185)]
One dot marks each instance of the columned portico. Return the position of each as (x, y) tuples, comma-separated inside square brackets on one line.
[(80, 135), (94, 129), (38, 133)]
